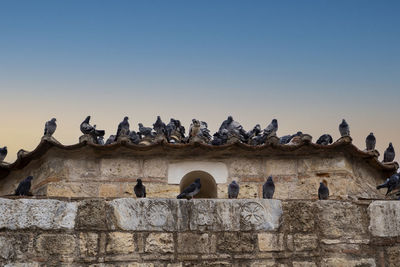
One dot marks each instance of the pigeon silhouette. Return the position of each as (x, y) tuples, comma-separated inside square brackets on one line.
[(370, 142), (50, 127), (3, 153), (344, 128), (271, 129), (269, 188), (160, 127), (123, 128), (323, 191), (86, 128), (389, 154), (110, 140), (190, 191), (24, 187), (325, 140), (139, 189), (100, 140), (144, 131), (391, 183), (233, 190)]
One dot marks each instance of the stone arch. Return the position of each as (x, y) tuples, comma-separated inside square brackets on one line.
[(208, 184)]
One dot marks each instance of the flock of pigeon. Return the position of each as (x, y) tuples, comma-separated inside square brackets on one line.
[(174, 132)]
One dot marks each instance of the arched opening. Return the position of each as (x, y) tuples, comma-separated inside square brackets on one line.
[(208, 185)]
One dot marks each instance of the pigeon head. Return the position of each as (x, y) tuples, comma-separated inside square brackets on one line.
[(139, 181), (140, 124), (126, 118), (321, 184), (257, 127), (233, 182), (5, 148), (344, 122), (299, 133), (53, 120), (87, 119), (29, 178), (197, 181), (269, 180), (390, 145), (230, 119), (371, 134), (275, 122)]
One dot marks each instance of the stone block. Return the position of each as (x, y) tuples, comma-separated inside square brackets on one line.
[(196, 243), (15, 246), (155, 168), (384, 218), (393, 256), (236, 242), (25, 264), (249, 190), (270, 242), (109, 190), (161, 190), (299, 216), (33, 213), (263, 263), (120, 243), (323, 165), (245, 167), (160, 243), (72, 189), (55, 244), (304, 242), (88, 244), (281, 167), (343, 262), (120, 168), (82, 169), (91, 215), (303, 264)]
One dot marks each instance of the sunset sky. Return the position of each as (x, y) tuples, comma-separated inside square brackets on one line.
[(306, 63)]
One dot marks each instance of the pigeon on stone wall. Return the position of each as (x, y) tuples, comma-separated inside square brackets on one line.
[(344, 128), (50, 127), (389, 154), (100, 140), (323, 191), (391, 183), (160, 127), (135, 138), (110, 140), (3, 153), (190, 191), (370, 142), (271, 129), (145, 131), (86, 128), (233, 190), (139, 189), (123, 128), (287, 138), (24, 187), (269, 188), (225, 124), (325, 140)]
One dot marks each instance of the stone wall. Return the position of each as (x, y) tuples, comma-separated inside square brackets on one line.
[(84, 174), (170, 232)]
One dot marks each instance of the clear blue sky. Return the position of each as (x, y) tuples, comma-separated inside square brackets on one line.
[(307, 63)]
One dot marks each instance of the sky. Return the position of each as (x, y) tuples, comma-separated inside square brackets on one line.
[(308, 64)]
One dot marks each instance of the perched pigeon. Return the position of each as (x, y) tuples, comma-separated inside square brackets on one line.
[(225, 124), (100, 140), (254, 132), (370, 142), (123, 128), (135, 138), (144, 131), (220, 138), (268, 188), (86, 128), (3, 153), (287, 138), (271, 129), (50, 127), (160, 127), (190, 191), (139, 189), (233, 190), (325, 140), (24, 187), (389, 154), (323, 191), (110, 140), (344, 129), (391, 183)]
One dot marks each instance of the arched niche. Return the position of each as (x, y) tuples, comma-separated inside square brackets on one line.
[(208, 184)]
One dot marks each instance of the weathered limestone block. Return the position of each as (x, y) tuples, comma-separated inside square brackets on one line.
[(197, 214), (45, 214), (322, 165), (299, 216), (72, 189), (109, 190), (155, 168), (160, 243), (236, 242), (162, 190), (302, 242), (15, 246), (88, 244), (303, 264), (55, 244), (82, 169), (393, 256), (384, 218), (120, 243), (281, 167), (245, 167), (91, 215), (263, 263), (343, 262), (196, 243), (270, 242), (120, 168)]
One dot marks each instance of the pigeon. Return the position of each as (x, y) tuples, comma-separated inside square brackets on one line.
[(24, 187), (344, 129), (269, 188), (139, 189), (50, 127), (100, 140), (159, 126), (220, 138), (190, 191), (3, 153), (271, 129), (123, 128), (323, 191), (391, 183), (254, 132), (110, 140), (135, 138), (370, 142), (225, 124), (233, 190), (144, 131), (325, 140), (287, 138), (86, 128), (389, 154)]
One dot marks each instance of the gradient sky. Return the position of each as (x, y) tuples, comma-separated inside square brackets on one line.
[(307, 63)]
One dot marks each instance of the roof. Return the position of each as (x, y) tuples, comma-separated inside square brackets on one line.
[(343, 145)]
